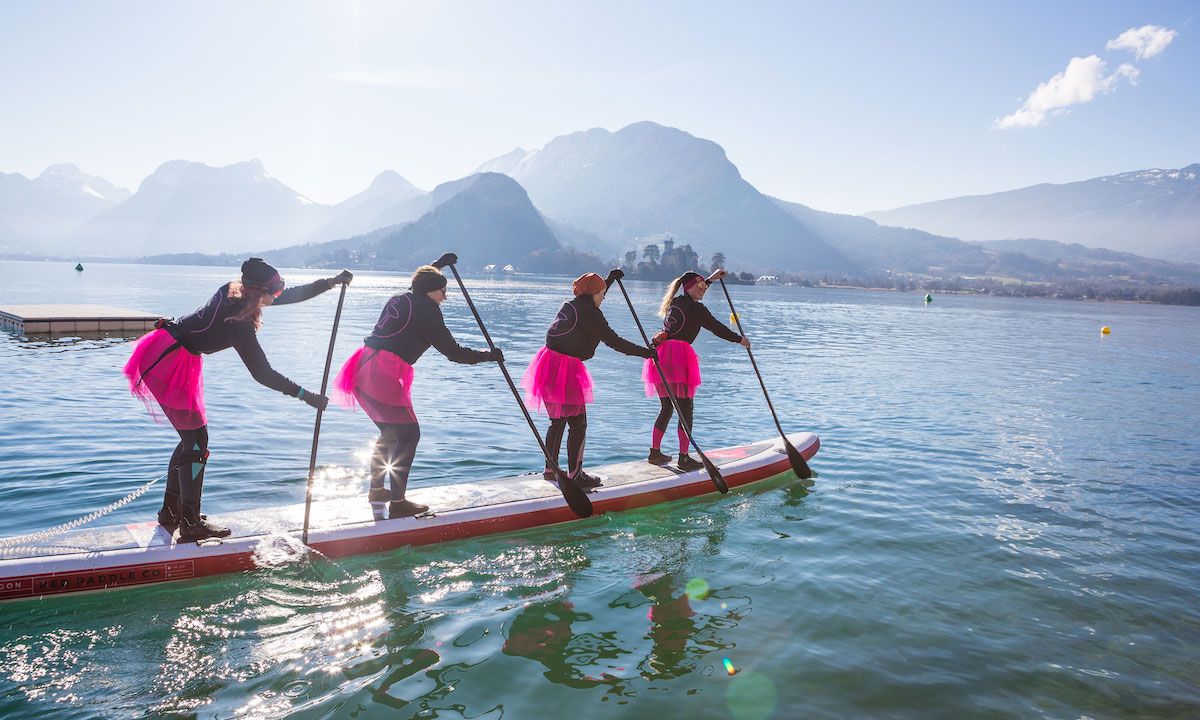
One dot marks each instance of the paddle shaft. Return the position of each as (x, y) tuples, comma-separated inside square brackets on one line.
[(312, 459), (712, 470), (578, 496), (738, 321)]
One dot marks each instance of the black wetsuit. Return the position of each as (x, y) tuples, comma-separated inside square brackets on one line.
[(411, 324), (408, 326), (684, 319), (206, 331), (580, 327), (577, 331), (687, 315)]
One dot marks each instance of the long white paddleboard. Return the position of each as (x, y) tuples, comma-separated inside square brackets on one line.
[(142, 553)]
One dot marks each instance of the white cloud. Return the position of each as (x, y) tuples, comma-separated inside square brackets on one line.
[(1081, 82), (1145, 42)]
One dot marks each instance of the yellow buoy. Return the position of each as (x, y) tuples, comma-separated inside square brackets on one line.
[(1106, 330), (733, 318)]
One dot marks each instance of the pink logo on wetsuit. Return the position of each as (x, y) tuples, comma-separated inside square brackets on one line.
[(391, 316), (560, 327), (215, 303), (675, 320)]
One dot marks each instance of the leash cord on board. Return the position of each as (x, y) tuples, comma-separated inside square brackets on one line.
[(7, 545)]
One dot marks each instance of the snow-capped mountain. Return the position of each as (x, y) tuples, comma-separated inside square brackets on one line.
[(33, 211), (1154, 213), (189, 206)]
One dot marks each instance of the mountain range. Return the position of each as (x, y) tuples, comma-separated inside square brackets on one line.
[(486, 218), (647, 179), (1148, 212), (32, 212), (587, 198)]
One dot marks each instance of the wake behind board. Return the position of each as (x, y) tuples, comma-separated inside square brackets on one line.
[(144, 553)]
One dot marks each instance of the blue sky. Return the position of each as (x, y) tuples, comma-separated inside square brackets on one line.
[(846, 107)]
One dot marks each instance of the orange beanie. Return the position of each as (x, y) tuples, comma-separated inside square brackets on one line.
[(588, 284)]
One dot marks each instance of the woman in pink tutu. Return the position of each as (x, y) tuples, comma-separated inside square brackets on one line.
[(378, 378), (164, 371), (683, 316), (557, 381)]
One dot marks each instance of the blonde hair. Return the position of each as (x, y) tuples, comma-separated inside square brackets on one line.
[(671, 290), (252, 297)]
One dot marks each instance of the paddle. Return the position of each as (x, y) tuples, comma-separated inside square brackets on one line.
[(312, 459), (799, 466), (713, 473), (576, 498)]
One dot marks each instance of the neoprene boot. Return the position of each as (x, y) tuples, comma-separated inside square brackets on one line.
[(168, 516), (687, 463), (378, 497), (658, 457), (405, 508), (194, 528), (585, 481)]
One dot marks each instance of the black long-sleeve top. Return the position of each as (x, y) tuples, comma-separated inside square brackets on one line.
[(412, 323), (580, 327), (687, 315), (210, 330)]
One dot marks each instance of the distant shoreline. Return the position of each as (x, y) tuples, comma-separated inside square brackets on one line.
[(1186, 296)]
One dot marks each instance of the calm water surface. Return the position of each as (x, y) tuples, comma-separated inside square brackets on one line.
[(1004, 524)]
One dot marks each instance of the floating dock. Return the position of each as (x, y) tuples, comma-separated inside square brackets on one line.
[(73, 319)]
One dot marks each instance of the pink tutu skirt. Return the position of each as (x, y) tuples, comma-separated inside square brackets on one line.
[(174, 382), (680, 365), (379, 382), (556, 383)]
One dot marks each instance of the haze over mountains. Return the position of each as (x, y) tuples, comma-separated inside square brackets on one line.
[(186, 206), (486, 217), (600, 192), (647, 179), (34, 211), (1148, 212)]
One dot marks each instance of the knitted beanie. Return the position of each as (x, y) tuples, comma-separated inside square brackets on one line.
[(426, 279), (588, 284), (258, 274)]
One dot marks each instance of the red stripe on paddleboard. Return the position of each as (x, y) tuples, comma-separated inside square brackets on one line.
[(30, 586), (523, 521)]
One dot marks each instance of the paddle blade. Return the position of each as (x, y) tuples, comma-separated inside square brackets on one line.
[(577, 499), (799, 466), (714, 474)]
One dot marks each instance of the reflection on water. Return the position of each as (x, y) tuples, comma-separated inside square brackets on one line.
[(63, 343), (417, 632), (1004, 526)]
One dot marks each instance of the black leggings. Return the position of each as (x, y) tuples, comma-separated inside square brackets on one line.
[(393, 457), (185, 474), (664, 414), (576, 439)]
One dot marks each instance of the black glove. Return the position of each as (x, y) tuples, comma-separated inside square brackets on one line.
[(447, 259), (317, 400), (496, 355), (650, 353), (614, 275), (342, 278)]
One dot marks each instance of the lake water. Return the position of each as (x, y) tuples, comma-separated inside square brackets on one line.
[(1004, 526)]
